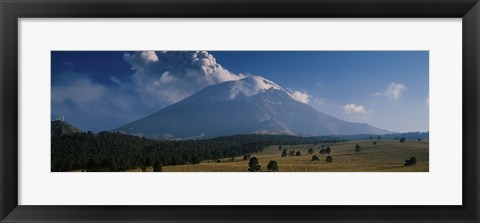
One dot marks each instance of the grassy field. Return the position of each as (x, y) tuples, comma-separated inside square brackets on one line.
[(386, 156)]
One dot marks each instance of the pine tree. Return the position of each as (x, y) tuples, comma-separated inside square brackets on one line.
[(253, 165), (272, 166)]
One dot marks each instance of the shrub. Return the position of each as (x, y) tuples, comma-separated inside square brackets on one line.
[(310, 151), (411, 161), (291, 153), (315, 158), (375, 143), (323, 151), (272, 166), (402, 139), (358, 148), (284, 153), (329, 159), (328, 150), (298, 153)]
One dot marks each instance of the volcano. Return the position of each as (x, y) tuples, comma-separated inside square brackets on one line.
[(252, 105)]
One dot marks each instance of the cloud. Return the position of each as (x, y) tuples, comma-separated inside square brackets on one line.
[(68, 64), (82, 92), (149, 56), (117, 81), (163, 78), (317, 103), (354, 108), (393, 91), (78, 91), (85, 102), (303, 97), (167, 78)]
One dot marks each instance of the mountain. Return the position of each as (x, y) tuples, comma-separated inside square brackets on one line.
[(60, 128), (249, 105)]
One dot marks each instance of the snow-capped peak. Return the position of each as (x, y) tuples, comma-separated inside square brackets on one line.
[(260, 83), (251, 85)]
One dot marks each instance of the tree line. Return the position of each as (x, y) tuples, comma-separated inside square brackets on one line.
[(114, 151)]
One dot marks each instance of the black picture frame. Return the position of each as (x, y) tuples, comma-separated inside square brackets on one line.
[(12, 10)]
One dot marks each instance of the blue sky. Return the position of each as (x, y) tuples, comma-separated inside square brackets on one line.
[(98, 90)]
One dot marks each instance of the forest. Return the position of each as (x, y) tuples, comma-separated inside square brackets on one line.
[(114, 151)]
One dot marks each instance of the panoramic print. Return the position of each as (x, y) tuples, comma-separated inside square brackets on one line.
[(239, 111)]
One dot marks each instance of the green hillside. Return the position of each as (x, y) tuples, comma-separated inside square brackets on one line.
[(60, 128)]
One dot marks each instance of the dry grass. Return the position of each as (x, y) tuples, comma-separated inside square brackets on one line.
[(386, 156)]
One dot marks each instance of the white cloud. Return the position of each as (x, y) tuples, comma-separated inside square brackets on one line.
[(167, 78), (354, 108), (303, 97), (163, 78), (149, 56), (393, 91)]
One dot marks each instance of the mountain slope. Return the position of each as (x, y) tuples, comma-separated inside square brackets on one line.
[(59, 128), (249, 105)]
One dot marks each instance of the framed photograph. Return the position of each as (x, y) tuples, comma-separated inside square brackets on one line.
[(227, 111)]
